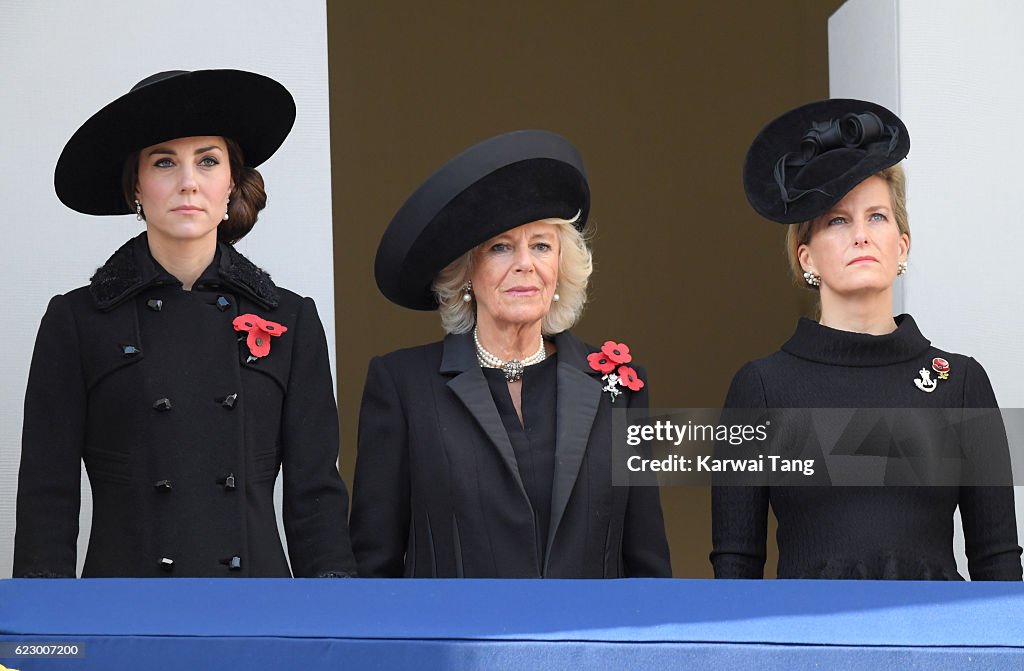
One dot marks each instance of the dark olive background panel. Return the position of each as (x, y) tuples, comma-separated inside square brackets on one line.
[(662, 98)]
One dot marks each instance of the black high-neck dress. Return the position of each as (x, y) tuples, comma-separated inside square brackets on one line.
[(903, 533), (533, 440)]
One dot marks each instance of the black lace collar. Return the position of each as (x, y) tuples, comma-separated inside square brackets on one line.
[(131, 269)]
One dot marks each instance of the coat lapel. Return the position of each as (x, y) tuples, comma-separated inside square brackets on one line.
[(470, 386), (578, 399)]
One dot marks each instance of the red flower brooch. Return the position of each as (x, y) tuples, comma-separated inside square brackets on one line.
[(610, 362), (260, 332)]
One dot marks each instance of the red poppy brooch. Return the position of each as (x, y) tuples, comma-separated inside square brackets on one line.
[(260, 332), (611, 363)]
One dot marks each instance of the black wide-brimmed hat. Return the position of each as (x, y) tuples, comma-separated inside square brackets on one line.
[(503, 182), (254, 111), (805, 161)]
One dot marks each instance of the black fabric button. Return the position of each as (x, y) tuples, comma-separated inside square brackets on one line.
[(166, 565), (155, 304), (228, 401), (165, 485), (223, 303), (163, 405), (228, 481), (130, 350), (233, 564)]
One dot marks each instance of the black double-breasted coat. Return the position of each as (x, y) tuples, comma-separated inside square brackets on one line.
[(182, 432), (438, 493)]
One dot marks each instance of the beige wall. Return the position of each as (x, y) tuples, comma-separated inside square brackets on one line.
[(661, 97)]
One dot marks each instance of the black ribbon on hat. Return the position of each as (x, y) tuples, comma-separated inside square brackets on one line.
[(852, 131)]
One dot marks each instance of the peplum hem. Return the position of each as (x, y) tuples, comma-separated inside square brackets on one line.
[(890, 567)]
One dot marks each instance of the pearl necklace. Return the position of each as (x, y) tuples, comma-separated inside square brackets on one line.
[(513, 368)]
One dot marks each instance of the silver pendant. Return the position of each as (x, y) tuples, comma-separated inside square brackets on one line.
[(513, 370)]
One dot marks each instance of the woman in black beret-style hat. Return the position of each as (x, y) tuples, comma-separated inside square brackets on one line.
[(830, 170), (182, 376), (488, 455)]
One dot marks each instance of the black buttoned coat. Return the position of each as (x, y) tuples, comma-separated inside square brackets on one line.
[(181, 430), (437, 491)]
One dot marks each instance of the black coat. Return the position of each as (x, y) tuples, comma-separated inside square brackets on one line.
[(437, 491), (891, 532), (181, 433)]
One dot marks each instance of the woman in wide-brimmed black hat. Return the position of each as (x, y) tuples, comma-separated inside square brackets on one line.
[(489, 454), (830, 170), (181, 375)]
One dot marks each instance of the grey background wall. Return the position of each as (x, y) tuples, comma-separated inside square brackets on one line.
[(662, 97)]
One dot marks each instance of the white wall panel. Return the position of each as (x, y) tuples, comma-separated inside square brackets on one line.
[(952, 70)]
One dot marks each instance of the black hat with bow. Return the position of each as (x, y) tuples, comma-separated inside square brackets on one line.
[(805, 161)]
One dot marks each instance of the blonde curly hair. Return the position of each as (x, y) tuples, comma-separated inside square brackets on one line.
[(575, 265)]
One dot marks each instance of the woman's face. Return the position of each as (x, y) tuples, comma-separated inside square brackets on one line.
[(856, 246), (515, 274), (184, 186)]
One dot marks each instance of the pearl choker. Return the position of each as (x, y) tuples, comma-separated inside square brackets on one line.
[(513, 368)]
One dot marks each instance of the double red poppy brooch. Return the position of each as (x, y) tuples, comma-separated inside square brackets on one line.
[(260, 332), (611, 363)]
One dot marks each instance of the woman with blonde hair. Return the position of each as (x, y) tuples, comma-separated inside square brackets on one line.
[(489, 454), (830, 170)]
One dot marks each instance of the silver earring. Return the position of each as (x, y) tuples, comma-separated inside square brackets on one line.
[(467, 289), (138, 209), (901, 269), (556, 298), (812, 279), (226, 209)]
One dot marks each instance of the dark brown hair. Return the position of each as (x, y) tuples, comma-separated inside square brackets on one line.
[(247, 198)]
